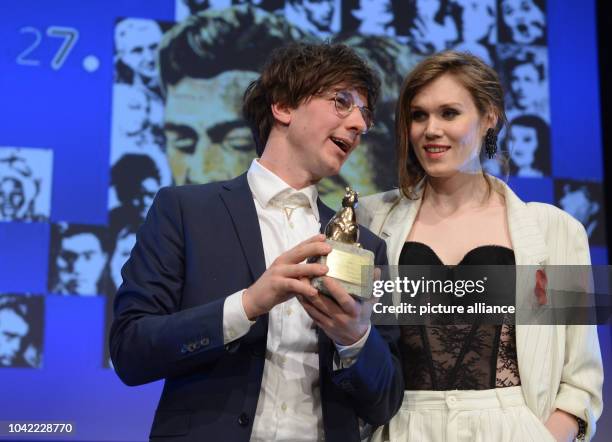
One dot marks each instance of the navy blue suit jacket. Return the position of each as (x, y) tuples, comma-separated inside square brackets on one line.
[(198, 245)]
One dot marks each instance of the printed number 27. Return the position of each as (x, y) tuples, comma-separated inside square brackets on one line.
[(70, 36)]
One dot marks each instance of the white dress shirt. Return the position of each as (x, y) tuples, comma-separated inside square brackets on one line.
[(289, 403)]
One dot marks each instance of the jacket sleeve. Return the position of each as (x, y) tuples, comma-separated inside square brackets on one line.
[(580, 392), (151, 337), (375, 381)]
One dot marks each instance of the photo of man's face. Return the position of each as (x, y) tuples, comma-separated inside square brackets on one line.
[(80, 263), (477, 18), (524, 19), (206, 137), (123, 248), (319, 13), (142, 202), (131, 109), (584, 201), (12, 197), (525, 85), (13, 328), (137, 41), (577, 203)]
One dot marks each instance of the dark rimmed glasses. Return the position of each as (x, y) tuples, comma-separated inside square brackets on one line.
[(344, 101)]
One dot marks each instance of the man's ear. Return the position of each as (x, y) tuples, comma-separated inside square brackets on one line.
[(282, 113)]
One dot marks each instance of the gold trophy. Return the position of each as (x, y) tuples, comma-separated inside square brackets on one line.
[(349, 264)]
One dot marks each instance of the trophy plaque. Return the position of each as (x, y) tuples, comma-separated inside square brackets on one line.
[(349, 264)]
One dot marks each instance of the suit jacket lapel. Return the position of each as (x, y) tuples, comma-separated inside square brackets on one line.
[(237, 197), (325, 214), (325, 344)]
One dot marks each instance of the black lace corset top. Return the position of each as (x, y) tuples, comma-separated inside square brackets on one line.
[(461, 357)]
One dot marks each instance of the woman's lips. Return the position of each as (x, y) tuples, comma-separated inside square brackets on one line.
[(435, 151)]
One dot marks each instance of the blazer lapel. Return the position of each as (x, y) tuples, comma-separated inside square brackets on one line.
[(398, 222), (237, 197), (525, 234), (532, 341)]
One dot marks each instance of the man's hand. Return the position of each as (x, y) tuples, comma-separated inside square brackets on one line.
[(286, 277), (344, 319)]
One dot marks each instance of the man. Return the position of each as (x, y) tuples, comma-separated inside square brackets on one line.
[(528, 86), (216, 296), (16, 335), (135, 179), (207, 61), (136, 43), (580, 201), (78, 259), (522, 22), (13, 328), (313, 16)]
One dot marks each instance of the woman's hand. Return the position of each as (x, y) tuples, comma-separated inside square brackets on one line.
[(562, 425)]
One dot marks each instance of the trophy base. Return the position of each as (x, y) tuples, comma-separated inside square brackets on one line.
[(346, 264)]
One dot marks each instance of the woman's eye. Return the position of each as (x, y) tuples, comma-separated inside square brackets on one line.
[(449, 113), (418, 116)]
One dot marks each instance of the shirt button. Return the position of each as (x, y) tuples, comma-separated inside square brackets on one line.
[(452, 400), (243, 420), (289, 311), (284, 407)]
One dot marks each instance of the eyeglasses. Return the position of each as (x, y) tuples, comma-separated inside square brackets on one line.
[(345, 103)]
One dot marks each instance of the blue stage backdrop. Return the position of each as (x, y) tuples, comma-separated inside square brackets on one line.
[(106, 101)]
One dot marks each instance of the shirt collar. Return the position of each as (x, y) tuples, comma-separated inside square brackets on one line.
[(265, 185)]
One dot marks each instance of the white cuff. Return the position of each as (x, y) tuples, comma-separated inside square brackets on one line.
[(348, 353), (236, 324)]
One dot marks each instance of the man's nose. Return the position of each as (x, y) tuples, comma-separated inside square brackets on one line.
[(355, 121)]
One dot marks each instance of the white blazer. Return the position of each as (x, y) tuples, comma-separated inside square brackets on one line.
[(560, 365)]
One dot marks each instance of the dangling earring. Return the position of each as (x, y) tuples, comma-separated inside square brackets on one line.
[(490, 143)]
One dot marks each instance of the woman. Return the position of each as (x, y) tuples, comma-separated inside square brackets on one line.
[(522, 22), (536, 382), (527, 144)]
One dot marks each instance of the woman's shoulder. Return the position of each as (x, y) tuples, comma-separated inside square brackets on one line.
[(548, 217), (552, 216), (380, 201), (372, 208)]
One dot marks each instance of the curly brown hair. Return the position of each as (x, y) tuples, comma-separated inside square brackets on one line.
[(295, 72)]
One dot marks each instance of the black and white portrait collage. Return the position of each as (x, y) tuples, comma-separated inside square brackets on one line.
[(178, 87), (176, 119)]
